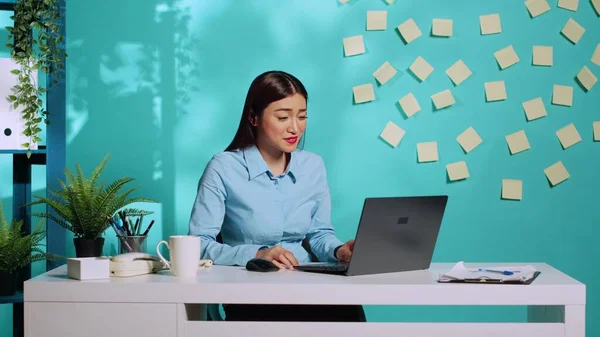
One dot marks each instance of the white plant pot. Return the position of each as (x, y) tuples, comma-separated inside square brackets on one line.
[(11, 123)]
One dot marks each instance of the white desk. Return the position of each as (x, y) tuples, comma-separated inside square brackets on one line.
[(161, 305)]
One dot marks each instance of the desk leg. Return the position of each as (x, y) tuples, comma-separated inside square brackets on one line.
[(573, 316), (18, 320)]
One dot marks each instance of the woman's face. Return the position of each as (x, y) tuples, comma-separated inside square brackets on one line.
[(282, 124)]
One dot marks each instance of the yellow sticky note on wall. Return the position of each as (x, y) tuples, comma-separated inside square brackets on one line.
[(442, 27), (427, 152), (490, 24), (469, 139), (596, 4), (457, 171), (562, 95), (596, 55), (409, 30), (534, 109), (517, 142), (392, 134), (421, 68), (384, 73), (573, 31), (506, 57), (363, 93), (354, 45), (537, 7), (512, 189), (409, 104), (495, 91), (376, 20), (557, 173), (458, 72), (587, 78), (571, 5), (543, 56), (596, 127), (568, 136), (443, 99)]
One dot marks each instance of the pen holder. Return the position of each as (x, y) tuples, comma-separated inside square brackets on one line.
[(132, 244)]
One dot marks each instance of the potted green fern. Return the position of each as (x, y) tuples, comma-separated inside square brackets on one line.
[(82, 206), (17, 251)]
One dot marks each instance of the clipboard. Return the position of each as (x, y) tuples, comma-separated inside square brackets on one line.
[(490, 281)]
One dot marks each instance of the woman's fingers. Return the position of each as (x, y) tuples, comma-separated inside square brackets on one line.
[(278, 264), (290, 256), (283, 259)]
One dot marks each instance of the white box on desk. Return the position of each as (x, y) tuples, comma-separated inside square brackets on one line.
[(88, 268), (12, 124)]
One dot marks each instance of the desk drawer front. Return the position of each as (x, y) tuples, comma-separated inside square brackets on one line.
[(100, 319)]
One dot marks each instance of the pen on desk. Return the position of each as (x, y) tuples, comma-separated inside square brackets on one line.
[(148, 229), (504, 272)]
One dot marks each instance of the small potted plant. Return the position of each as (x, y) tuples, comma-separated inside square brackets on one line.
[(82, 206), (17, 251)]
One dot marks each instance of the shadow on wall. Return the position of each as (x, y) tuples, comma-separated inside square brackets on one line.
[(126, 91)]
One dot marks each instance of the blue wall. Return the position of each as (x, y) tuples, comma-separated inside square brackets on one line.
[(162, 89)]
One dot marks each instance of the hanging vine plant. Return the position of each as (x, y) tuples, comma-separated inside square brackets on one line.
[(36, 43)]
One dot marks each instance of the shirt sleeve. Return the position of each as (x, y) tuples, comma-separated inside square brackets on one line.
[(321, 236), (207, 217)]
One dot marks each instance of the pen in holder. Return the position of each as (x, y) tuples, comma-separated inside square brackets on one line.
[(132, 244)]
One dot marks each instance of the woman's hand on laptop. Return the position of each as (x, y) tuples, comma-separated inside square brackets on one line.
[(344, 253), (281, 257)]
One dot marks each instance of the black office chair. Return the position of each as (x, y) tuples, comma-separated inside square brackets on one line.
[(213, 310)]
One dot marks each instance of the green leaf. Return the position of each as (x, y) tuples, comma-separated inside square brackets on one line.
[(15, 71)]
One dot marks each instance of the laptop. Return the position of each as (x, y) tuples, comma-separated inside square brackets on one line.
[(394, 234)]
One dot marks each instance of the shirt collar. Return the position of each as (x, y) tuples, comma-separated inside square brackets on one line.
[(257, 165)]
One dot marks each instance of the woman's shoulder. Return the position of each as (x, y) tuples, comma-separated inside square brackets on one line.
[(308, 159), (223, 159)]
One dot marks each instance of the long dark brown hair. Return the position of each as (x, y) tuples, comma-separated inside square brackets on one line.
[(266, 88)]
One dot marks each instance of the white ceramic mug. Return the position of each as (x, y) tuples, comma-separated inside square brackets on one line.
[(185, 255)]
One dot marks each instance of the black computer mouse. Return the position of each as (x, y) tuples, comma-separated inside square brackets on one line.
[(261, 265)]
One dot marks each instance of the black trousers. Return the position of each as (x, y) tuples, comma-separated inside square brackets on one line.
[(294, 313)]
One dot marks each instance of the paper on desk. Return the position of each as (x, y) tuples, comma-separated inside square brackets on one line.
[(461, 272)]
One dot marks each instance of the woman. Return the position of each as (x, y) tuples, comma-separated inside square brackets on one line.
[(264, 196)]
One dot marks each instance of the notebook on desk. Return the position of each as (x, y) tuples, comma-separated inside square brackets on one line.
[(492, 274)]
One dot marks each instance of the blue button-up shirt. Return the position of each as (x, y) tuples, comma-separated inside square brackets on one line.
[(240, 197)]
